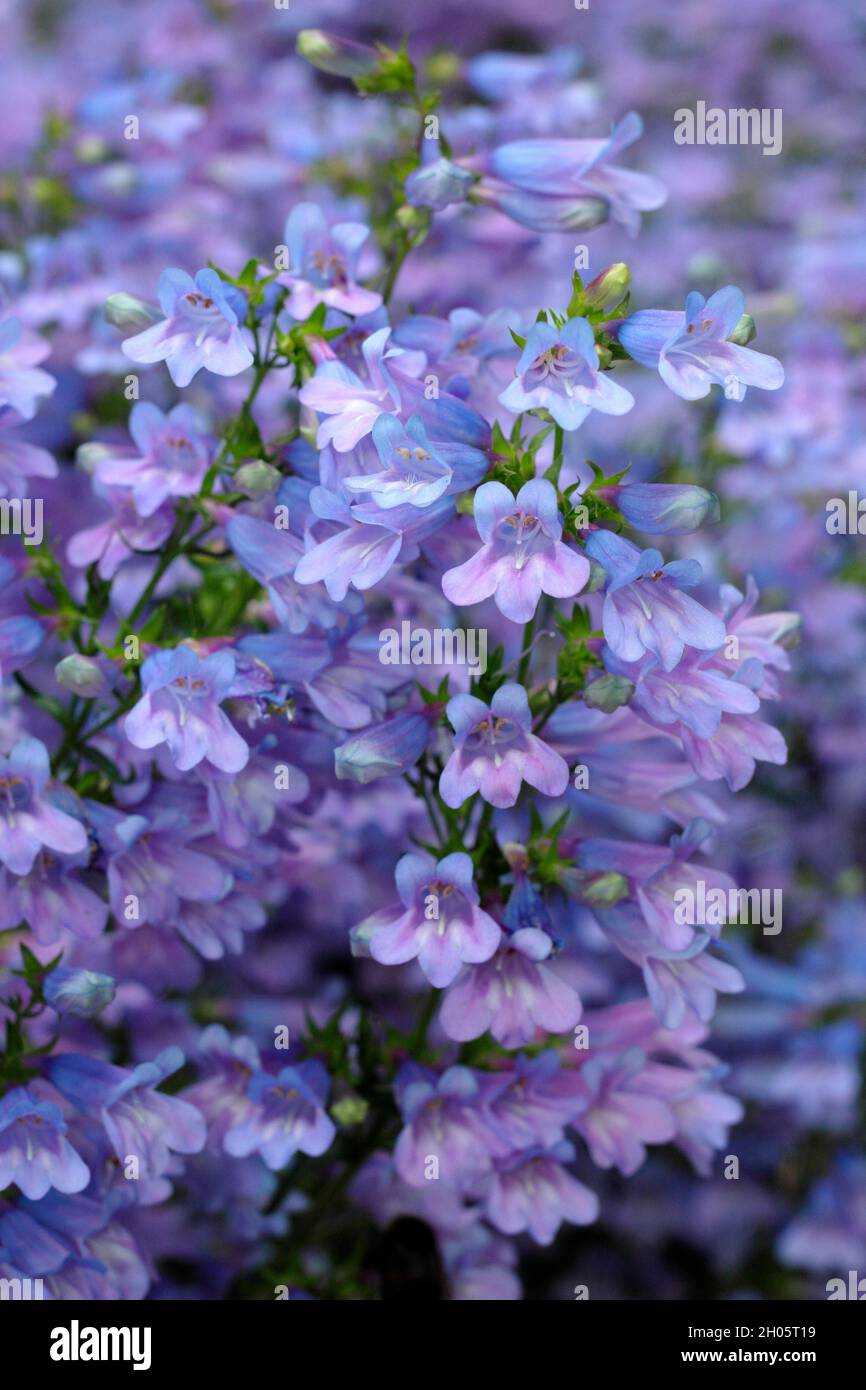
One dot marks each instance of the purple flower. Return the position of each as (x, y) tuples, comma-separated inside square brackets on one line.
[(535, 1102), (582, 169), (181, 707), (513, 995), (412, 470), (22, 381), (691, 349), (20, 461), (108, 544), (353, 405), (138, 1120), (496, 750), (622, 1115), (229, 1065), (645, 609), (287, 1116), (152, 868), (324, 264), (558, 371), (531, 1191), (203, 327), (174, 457), (445, 1123), (438, 919), (27, 821), (34, 1152), (523, 555)]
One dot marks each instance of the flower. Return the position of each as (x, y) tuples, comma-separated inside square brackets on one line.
[(445, 1122), (203, 327), (558, 371), (645, 609), (137, 1119), (513, 995), (531, 1191), (34, 1152), (582, 169), (412, 471), (692, 350), (523, 555), (27, 820), (438, 919), (495, 750), (22, 382), (109, 543), (174, 457), (287, 1116), (323, 264), (181, 707)]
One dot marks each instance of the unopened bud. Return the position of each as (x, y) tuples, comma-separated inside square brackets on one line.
[(256, 478), (744, 331), (80, 674), (340, 57), (608, 289), (127, 312)]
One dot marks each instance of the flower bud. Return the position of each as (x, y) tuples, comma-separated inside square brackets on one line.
[(80, 674), (608, 289), (438, 184), (608, 692), (127, 312), (383, 750), (744, 332), (662, 509), (257, 478), (84, 993), (340, 57)]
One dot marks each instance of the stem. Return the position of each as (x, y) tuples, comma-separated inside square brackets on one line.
[(526, 651)]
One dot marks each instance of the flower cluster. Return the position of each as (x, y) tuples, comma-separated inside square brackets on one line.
[(299, 940)]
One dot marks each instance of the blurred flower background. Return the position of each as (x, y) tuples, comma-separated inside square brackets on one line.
[(182, 133)]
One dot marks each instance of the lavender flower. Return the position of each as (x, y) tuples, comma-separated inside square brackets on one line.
[(203, 327), (438, 919), (181, 707), (558, 371), (496, 750), (693, 351), (523, 555)]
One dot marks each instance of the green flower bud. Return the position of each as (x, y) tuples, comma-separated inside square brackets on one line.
[(744, 331), (608, 289), (608, 692), (80, 674), (257, 478), (127, 312)]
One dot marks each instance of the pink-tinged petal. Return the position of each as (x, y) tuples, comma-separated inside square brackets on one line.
[(518, 589), (471, 582), (440, 959), (500, 785), (566, 574), (459, 780), (544, 769)]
